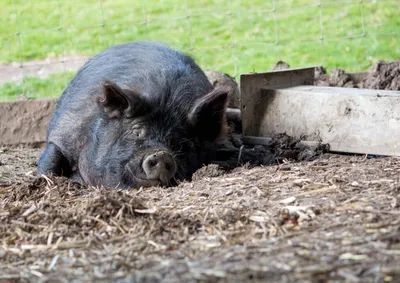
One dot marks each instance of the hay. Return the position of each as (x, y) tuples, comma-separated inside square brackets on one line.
[(335, 218)]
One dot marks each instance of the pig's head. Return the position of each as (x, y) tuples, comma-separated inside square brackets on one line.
[(144, 140)]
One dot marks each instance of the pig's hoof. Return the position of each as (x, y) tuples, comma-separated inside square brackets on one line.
[(159, 166)]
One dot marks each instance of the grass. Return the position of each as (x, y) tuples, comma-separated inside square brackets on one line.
[(252, 37), (35, 87)]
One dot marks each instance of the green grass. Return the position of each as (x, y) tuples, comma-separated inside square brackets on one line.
[(34, 87), (254, 36)]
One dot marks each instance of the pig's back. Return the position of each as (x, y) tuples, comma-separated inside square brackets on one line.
[(160, 73), (147, 66)]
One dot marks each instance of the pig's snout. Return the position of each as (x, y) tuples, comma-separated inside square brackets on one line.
[(159, 166)]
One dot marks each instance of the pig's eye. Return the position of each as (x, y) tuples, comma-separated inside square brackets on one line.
[(182, 145), (138, 132)]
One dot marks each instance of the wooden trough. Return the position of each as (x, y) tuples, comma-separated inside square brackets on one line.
[(350, 120)]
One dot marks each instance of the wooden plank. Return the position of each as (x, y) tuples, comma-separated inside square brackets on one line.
[(350, 120), (252, 105), (25, 122)]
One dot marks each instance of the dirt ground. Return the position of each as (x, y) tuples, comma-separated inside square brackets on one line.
[(14, 72), (334, 219), (383, 75)]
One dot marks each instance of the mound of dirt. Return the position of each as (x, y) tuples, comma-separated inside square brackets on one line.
[(383, 75), (281, 66), (281, 148), (212, 170), (59, 202), (338, 78), (218, 79)]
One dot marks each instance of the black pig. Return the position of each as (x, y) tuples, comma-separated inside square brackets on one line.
[(136, 114)]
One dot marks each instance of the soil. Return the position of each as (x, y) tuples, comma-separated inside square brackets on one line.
[(220, 79), (25, 122), (383, 75), (280, 149)]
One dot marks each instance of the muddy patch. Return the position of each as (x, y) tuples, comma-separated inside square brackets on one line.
[(383, 75), (281, 148)]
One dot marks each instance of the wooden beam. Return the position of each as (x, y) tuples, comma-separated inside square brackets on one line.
[(349, 119), (252, 99)]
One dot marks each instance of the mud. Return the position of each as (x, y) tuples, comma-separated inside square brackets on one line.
[(281, 148), (217, 79), (25, 122), (383, 75)]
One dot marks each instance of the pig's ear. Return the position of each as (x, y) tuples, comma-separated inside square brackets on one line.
[(208, 117), (118, 102)]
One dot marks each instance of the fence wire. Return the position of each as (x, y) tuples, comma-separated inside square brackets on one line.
[(44, 42)]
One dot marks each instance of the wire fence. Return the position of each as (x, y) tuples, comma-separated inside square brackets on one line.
[(44, 42)]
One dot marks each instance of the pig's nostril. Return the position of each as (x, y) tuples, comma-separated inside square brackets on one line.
[(153, 163), (159, 166)]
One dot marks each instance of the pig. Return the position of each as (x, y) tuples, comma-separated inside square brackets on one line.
[(137, 114)]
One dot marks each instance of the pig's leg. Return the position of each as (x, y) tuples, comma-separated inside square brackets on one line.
[(77, 178), (54, 162)]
